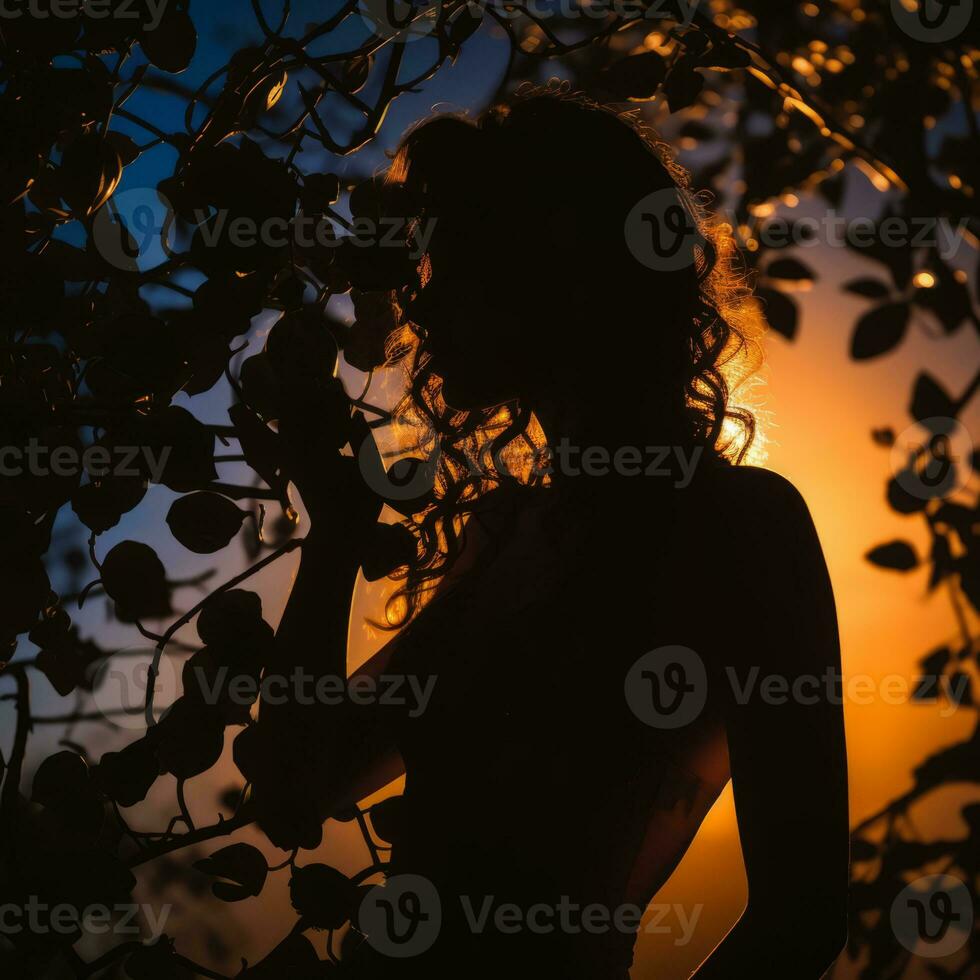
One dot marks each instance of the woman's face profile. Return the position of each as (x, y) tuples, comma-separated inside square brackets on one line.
[(466, 313)]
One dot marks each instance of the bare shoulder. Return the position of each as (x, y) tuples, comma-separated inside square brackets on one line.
[(757, 515), (755, 492), (768, 552)]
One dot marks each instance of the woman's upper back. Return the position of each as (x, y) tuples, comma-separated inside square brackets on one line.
[(531, 728)]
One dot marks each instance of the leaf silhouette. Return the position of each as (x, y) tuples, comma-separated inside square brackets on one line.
[(189, 738), (100, 505), (897, 555), (243, 865), (218, 678), (134, 577), (60, 777), (948, 299), (871, 288), (790, 269), (205, 522), (879, 331), (232, 620), (682, 86), (322, 896), (781, 311), (930, 400), (899, 498), (89, 173), (374, 321), (171, 45), (126, 776)]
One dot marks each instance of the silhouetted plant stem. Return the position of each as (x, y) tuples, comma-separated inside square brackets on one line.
[(185, 813), (220, 829), (11, 781), (191, 613), (148, 126), (368, 839), (71, 719), (127, 830)]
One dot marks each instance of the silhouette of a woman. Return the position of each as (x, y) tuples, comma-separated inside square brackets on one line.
[(618, 615)]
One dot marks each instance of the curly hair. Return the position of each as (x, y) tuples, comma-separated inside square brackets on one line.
[(529, 159)]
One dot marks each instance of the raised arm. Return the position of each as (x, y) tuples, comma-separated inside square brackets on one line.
[(784, 722), (298, 741)]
